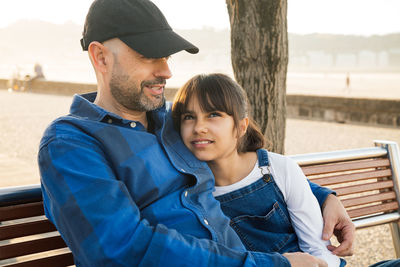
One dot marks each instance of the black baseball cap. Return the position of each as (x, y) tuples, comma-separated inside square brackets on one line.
[(138, 23)]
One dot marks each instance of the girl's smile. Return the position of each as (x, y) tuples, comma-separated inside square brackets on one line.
[(201, 142)]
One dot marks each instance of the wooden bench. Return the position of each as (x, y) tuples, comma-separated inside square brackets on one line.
[(366, 180), (27, 238)]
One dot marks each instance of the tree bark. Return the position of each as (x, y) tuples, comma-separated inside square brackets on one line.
[(259, 52)]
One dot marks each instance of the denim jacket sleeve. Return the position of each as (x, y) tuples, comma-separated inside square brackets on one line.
[(321, 193), (102, 225)]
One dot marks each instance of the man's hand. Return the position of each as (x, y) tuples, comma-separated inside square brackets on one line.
[(299, 259), (338, 222)]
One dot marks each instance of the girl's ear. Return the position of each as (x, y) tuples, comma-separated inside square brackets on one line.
[(243, 124)]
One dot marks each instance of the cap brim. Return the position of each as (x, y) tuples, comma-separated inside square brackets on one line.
[(158, 44)]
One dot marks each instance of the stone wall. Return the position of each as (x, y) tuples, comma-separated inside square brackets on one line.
[(3, 83), (47, 87), (378, 112), (62, 88)]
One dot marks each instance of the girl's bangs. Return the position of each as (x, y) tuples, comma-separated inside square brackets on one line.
[(213, 97)]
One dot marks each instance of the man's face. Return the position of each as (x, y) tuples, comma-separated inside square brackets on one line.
[(138, 83)]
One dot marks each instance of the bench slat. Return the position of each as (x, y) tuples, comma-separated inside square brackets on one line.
[(26, 229), (359, 188), (373, 209), (352, 177), (29, 247), (351, 202), (345, 166), (21, 211), (60, 260)]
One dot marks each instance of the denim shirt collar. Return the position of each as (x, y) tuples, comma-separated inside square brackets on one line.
[(83, 106)]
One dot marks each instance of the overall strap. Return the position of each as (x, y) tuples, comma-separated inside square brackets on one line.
[(263, 164), (262, 155)]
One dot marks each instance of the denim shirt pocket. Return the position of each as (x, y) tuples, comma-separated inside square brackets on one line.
[(268, 233)]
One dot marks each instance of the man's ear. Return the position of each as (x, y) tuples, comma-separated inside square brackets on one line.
[(99, 55)]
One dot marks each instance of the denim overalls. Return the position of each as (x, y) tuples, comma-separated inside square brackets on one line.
[(259, 214)]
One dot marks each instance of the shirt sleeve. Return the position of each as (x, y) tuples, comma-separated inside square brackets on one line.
[(303, 208), (321, 193), (102, 225)]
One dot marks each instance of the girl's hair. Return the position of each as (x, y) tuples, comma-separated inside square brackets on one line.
[(218, 92)]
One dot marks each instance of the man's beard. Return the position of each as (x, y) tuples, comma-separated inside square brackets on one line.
[(130, 96)]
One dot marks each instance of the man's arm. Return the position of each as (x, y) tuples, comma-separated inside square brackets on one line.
[(102, 225), (336, 220), (298, 259), (321, 193)]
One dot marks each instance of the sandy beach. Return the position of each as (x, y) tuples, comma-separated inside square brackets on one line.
[(24, 117)]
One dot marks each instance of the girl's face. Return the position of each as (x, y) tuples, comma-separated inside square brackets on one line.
[(211, 136)]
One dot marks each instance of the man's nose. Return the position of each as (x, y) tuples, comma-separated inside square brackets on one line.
[(163, 70)]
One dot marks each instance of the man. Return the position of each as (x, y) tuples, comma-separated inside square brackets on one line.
[(117, 181)]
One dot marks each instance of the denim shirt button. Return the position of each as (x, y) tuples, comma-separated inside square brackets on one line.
[(186, 193), (109, 121), (205, 221), (133, 124)]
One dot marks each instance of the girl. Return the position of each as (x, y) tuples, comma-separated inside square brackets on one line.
[(266, 195)]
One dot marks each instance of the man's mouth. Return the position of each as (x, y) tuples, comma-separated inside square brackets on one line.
[(156, 86), (156, 89)]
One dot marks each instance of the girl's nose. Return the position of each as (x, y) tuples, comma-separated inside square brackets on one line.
[(200, 127)]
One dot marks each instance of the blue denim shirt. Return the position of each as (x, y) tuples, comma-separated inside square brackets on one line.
[(121, 196)]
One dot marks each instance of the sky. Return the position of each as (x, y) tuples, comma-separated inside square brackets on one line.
[(361, 17)]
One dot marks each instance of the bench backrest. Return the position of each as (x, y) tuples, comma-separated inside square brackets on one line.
[(366, 180), (27, 238)]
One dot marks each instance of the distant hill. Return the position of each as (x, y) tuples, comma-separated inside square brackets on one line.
[(30, 39), (338, 52), (54, 46), (57, 47)]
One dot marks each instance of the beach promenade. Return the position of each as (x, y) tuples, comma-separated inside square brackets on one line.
[(24, 117)]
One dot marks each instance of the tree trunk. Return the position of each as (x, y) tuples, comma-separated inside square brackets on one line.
[(259, 51)]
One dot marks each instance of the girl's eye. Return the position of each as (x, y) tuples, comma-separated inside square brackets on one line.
[(187, 117), (215, 114)]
